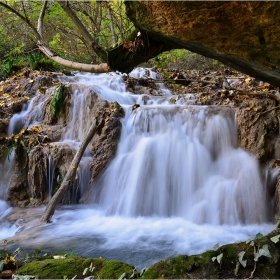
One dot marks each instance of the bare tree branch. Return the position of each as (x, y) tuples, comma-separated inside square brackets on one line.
[(40, 20), (70, 175), (96, 47)]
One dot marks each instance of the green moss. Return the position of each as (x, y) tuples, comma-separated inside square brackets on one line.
[(182, 266), (196, 266), (69, 267), (202, 266)]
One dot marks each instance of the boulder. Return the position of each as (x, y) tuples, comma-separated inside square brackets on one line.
[(243, 35)]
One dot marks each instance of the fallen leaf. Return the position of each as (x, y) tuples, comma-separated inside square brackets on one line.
[(128, 45)]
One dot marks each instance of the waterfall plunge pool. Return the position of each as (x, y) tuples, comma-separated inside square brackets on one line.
[(139, 241)]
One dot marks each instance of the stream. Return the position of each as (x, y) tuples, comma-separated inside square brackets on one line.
[(178, 184)]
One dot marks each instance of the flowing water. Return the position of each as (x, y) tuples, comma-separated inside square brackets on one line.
[(178, 185)]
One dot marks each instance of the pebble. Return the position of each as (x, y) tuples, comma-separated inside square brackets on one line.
[(6, 273)]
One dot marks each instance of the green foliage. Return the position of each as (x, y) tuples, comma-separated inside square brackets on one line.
[(33, 59), (9, 150), (264, 251), (275, 239), (57, 101), (100, 18), (184, 59), (240, 258), (220, 256), (8, 258), (6, 68)]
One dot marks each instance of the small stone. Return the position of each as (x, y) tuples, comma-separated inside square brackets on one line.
[(6, 274)]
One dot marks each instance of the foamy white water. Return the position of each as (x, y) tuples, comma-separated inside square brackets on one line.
[(178, 184), (140, 241)]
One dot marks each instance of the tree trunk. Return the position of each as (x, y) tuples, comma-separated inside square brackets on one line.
[(70, 175), (114, 37)]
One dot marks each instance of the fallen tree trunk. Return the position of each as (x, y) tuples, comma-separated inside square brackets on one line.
[(70, 175)]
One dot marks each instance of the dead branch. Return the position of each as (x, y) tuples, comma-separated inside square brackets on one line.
[(262, 113), (70, 175), (96, 47), (101, 68), (264, 94)]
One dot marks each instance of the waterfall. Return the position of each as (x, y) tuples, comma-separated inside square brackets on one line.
[(178, 184), (182, 162), (16, 123), (50, 176)]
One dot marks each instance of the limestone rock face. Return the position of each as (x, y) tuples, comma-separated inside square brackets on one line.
[(243, 35), (256, 134), (36, 173), (105, 144)]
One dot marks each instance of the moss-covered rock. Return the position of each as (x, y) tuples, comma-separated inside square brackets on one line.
[(204, 266), (198, 266), (69, 267)]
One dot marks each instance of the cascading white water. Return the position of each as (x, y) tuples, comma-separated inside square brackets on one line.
[(16, 123), (182, 162), (178, 184)]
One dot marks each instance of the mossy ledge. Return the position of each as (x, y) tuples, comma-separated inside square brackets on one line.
[(75, 266), (181, 267)]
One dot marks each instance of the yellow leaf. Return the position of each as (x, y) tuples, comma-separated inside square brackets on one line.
[(6, 95), (258, 108), (248, 80), (26, 97), (73, 167), (9, 259)]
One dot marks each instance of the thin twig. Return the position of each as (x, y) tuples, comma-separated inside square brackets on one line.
[(252, 273), (260, 114), (265, 94), (255, 265)]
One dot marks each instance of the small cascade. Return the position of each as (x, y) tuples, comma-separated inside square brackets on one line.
[(50, 177), (35, 110), (17, 122), (78, 117)]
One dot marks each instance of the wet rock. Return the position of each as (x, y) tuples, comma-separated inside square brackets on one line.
[(277, 147), (277, 197), (105, 145), (37, 173), (202, 265), (4, 123), (61, 155), (6, 274), (18, 186), (256, 132)]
